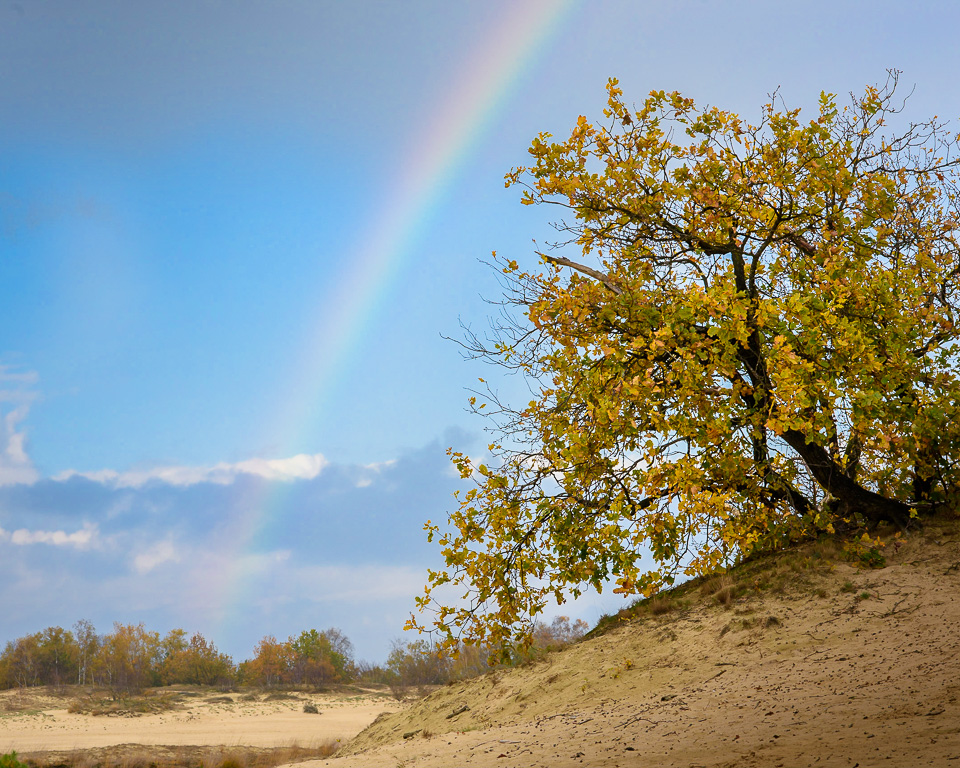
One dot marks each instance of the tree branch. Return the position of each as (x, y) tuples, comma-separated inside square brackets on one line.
[(597, 275)]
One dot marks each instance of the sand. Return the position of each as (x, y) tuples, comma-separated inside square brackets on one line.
[(203, 720)]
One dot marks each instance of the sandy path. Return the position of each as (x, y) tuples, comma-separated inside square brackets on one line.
[(258, 724)]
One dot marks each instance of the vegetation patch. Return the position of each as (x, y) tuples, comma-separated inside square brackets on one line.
[(147, 703), (281, 696), (795, 572), (138, 756), (9, 760)]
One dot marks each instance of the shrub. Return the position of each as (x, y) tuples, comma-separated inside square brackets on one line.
[(10, 760)]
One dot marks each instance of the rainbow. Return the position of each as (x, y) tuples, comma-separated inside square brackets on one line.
[(478, 94)]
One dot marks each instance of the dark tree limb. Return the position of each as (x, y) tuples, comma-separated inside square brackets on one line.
[(834, 479)]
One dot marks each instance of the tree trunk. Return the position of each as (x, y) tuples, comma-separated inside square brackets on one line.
[(854, 497)]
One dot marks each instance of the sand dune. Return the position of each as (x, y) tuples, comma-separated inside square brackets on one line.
[(847, 666)]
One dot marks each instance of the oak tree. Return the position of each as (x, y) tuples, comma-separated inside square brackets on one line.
[(320, 658), (755, 340), (127, 660)]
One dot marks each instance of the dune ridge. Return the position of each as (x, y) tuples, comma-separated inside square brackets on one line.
[(796, 660)]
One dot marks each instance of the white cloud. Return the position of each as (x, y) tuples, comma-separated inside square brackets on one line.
[(159, 553), (300, 467), (370, 470), (15, 464), (81, 539)]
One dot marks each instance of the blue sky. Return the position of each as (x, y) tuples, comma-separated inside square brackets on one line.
[(233, 235)]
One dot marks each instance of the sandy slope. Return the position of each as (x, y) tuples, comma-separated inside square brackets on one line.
[(847, 667), (208, 720)]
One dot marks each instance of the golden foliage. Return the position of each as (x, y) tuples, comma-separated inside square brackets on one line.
[(758, 342)]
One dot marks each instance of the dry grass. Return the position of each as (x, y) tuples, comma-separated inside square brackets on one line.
[(281, 696), (138, 756), (723, 589), (22, 704), (146, 703), (658, 606), (793, 572)]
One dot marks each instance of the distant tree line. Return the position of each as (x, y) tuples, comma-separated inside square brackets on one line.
[(419, 663), (131, 658)]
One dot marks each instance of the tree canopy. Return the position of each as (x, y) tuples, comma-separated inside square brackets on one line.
[(754, 341)]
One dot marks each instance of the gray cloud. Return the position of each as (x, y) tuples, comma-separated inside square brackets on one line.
[(236, 555)]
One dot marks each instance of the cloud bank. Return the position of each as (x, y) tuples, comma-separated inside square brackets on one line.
[(300, 467), (79, 539), (234, 550)]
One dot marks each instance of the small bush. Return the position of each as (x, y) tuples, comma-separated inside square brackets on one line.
[(865, 551), (10, 760), (311, 709), (873, 558)]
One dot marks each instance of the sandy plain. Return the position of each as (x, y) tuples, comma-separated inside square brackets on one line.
[(208, 718)]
